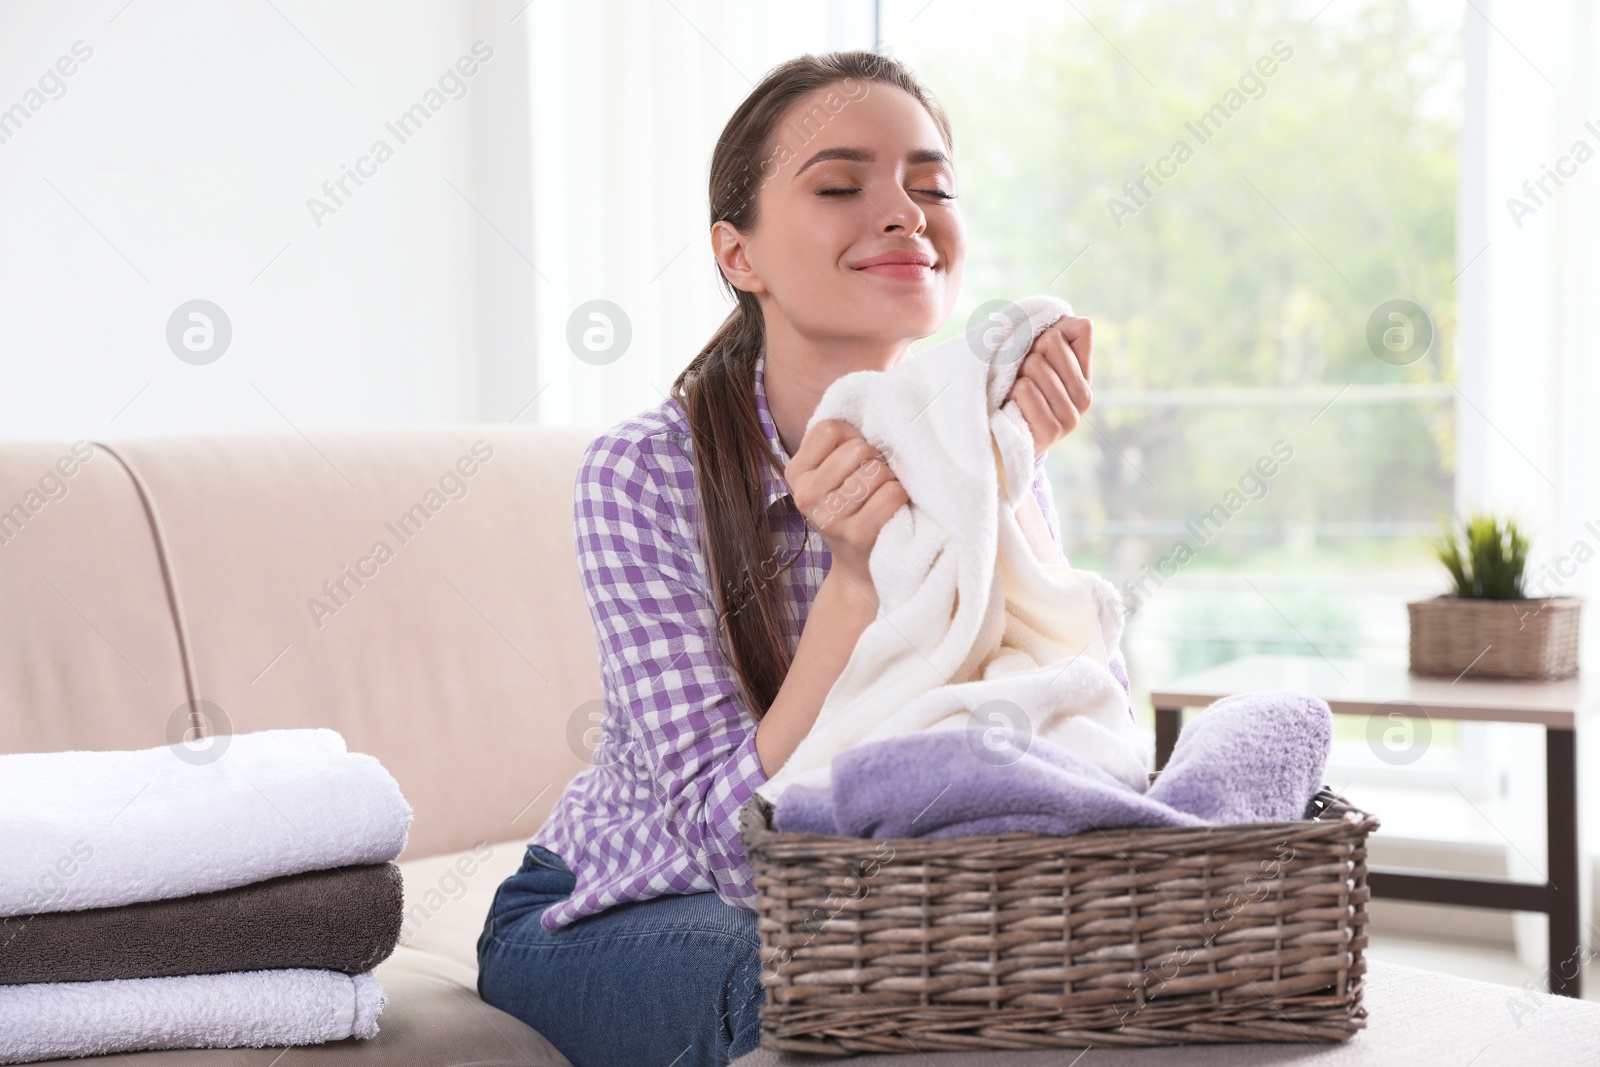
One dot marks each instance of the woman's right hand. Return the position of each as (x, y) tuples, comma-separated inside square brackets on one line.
[(845, 489)]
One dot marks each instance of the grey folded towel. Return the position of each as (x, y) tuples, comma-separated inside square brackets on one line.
[(343, 919)]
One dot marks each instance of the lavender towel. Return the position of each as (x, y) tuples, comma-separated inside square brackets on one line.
[(1252, 757)]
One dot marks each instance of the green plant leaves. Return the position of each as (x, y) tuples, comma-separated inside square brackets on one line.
[(1485, 556)]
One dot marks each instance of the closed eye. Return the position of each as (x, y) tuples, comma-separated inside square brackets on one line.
[(938, 193)]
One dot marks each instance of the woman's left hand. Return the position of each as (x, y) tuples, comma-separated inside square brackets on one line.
[(1052, 386)]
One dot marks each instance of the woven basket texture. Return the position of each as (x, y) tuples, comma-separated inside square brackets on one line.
[(1526, 640), (1115, 938)]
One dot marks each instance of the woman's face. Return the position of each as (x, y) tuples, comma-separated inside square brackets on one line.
[(856, 170)]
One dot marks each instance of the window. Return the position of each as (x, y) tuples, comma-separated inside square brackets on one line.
[(1257, 206)]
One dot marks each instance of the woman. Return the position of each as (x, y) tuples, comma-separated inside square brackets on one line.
[(723, 615)]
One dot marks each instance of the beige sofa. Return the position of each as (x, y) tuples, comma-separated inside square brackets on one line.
[(166, 570)]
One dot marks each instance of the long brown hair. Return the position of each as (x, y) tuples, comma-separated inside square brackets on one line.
[(717, 389)]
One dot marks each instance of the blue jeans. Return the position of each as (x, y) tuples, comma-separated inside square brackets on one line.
[(669, 980)]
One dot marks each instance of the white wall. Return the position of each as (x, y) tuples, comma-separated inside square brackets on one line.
[(178, 161), (178, 165)]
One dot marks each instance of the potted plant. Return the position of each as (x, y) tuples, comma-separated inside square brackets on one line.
[(1487, 627)]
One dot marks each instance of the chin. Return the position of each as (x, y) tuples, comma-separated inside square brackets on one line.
[(926, 300), (912, 314), (899, 318), (925, 314)]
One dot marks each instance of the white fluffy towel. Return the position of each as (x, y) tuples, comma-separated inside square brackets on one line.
[(98, 829), (977, 604), (239, 1009)]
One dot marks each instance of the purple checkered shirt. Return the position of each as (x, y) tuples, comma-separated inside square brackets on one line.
[(656, 812)]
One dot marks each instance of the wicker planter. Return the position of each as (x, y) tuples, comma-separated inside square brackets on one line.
[(1530, 640), (1119, 938)]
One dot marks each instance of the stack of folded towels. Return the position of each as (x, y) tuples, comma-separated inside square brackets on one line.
[(236, 894)]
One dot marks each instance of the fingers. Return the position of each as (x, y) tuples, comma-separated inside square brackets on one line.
[(1079, 335), (837, 484), (884, 500), (1051, 389), (1046, 402), (1069, 371), (1043, 421), (852, 460), (816, 445)]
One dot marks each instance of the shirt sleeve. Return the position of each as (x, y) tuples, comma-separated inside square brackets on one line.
[(664, 676)]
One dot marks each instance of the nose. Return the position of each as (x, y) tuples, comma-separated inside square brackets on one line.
[(902, 215)]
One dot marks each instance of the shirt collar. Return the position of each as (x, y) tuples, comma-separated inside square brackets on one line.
[(775, 487)]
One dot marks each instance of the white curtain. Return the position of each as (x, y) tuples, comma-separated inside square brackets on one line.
[(628, 100), (1529, 296)]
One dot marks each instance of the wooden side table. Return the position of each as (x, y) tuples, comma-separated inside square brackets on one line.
[(1356, 687)]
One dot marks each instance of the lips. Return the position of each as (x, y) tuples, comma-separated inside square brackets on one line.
[(898, 264)]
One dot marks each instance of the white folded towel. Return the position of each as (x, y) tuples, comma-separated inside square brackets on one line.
[(239, 1009), (976, 601), (96, 829)]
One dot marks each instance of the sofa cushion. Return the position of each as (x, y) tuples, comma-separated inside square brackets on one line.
[(414, 588), (88, 656), (448, 898)]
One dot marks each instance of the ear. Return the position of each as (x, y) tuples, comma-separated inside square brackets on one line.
[(728, 245)]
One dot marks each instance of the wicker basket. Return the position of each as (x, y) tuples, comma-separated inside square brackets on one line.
[(1227, 933), (1529, 640)]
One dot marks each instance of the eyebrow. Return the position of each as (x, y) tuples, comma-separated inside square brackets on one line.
[(862, 155)]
